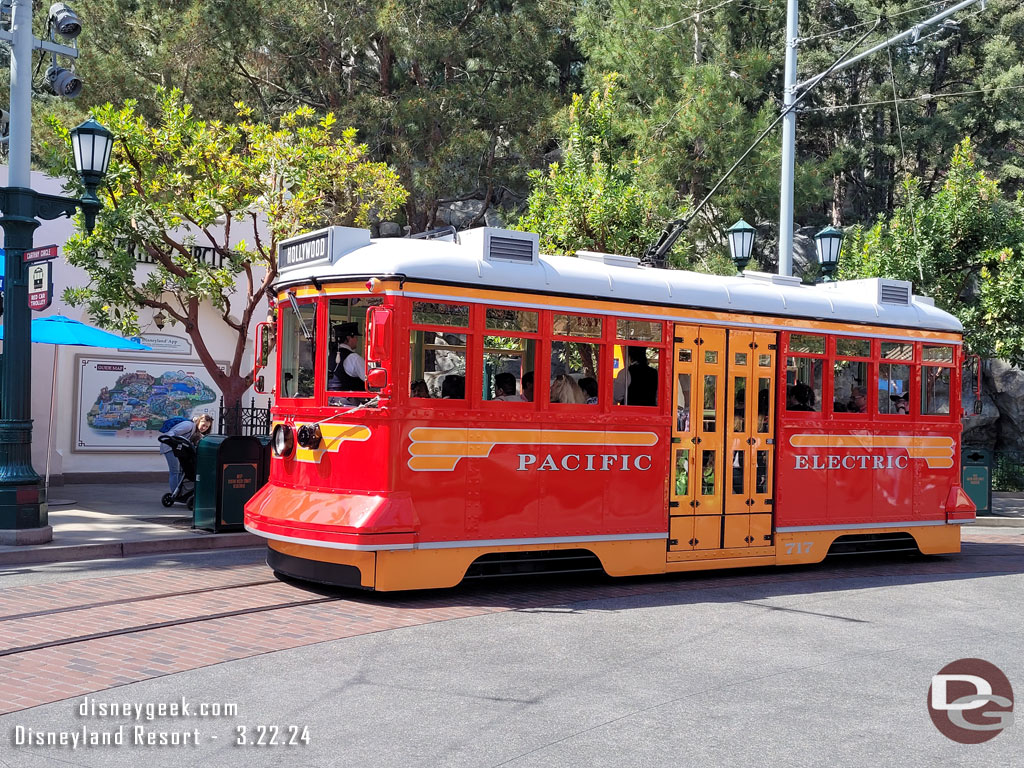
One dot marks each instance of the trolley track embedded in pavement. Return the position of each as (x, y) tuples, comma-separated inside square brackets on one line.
[(162, 625), (125, 600)]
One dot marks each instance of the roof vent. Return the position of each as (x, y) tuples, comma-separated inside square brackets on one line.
[(503, 244), (611, 259), (894, 292)]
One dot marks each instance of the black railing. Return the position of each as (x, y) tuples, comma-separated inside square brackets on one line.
[(243, 420), (1007, 470)]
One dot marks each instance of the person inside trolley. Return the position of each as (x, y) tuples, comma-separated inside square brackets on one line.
[(348, 371), (638, 384), (505, 388)]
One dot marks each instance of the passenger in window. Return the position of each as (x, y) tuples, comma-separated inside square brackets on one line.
[(589, 386), (348, 368), (453, 387), (419, 389), (564, 389), (800, 397), (528, 386), (900, 404), (505, 388), (858, 400), (638, 384)]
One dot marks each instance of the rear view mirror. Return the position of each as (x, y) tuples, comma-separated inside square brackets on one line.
[(263, 347), (377, 378), (378, 334)]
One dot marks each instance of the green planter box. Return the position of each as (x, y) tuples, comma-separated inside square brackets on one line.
[(229, 470)]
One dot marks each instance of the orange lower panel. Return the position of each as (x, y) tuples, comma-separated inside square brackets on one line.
[(803, 547), (393, 570)]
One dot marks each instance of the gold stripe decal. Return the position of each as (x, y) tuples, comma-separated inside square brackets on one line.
[(937, 452), (333, 436), (438, 449)]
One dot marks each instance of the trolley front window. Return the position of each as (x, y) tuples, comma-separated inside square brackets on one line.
[(346, 363), (298, 348)]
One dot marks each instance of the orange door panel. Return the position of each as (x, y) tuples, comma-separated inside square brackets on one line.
[(707, 532), (737, 531)]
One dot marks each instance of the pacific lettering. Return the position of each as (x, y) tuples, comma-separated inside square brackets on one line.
[(588, 462)]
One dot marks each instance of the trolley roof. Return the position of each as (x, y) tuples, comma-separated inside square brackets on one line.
[(501, 259)]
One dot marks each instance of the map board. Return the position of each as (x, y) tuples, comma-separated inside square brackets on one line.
[(123, 402)]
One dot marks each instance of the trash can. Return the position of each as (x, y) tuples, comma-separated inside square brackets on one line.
[(228, 473), (976, 478)]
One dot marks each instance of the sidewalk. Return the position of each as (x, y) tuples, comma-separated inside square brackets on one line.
[(99, 521)]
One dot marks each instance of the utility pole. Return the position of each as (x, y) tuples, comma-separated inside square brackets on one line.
[(788, 141), (23, 511), (792, 93)]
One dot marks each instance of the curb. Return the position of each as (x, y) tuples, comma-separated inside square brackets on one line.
[(997, 521), (114, 549)]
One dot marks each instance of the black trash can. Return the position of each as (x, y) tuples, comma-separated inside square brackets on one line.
[(229, 470), (976, 478)]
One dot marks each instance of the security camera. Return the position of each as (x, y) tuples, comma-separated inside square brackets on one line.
[(64, 82), (65, 21)]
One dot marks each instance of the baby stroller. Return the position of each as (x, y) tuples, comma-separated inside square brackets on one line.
[(185, 453)]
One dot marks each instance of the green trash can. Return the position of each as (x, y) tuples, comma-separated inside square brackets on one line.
[(976, 478), (228, 473)]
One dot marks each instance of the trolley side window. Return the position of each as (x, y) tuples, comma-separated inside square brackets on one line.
[(576, 350), (346, 343), (894, 395), (437, 355), (636, 362), (936, 378), (298, 349), (851, 375), (510, 350), (805, 364)]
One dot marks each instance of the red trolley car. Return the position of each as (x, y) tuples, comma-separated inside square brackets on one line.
[(523, 412)]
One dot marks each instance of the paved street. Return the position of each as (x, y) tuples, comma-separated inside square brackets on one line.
[(795, 667)]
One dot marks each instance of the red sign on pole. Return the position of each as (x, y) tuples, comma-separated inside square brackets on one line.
[(40, 286), (42, 253)]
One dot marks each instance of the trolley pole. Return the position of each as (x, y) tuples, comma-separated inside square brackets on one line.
[(23, 512), (788, 141)]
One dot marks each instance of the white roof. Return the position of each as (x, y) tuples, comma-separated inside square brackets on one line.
[(442, 261)]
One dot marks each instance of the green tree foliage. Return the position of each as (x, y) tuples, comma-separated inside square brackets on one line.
[(590, 200), (455, 95), (178, 183), (963, 246)]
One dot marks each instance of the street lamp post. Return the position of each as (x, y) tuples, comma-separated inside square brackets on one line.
[(828, 243), (741, 243), (23, 512)]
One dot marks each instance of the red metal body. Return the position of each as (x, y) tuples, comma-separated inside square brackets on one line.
[(409, 491)]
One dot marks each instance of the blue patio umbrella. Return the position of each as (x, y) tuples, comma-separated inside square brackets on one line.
[(63, 331)]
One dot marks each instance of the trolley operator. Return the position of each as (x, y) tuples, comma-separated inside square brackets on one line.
[(348, 373)]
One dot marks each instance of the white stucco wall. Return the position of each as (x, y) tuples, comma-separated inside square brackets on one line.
[(64, 457)]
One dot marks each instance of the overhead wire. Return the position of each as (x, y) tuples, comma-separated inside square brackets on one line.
[(919, 97), (833, 32)]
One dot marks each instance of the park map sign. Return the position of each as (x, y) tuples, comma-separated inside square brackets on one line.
[(123, 404)]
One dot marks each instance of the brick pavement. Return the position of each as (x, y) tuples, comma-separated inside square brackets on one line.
[(35, 677)]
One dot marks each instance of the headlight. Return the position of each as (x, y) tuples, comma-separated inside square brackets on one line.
[(309, 436), (283, 441)]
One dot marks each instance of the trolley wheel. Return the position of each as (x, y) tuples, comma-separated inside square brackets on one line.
[(167, 500)]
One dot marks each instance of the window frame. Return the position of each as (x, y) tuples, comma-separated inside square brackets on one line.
[(665, 383), (955, 393), (914, 386), (483, 332), (355, 393), (410, 327), (782, 383), (871, 383), (318, 398)]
